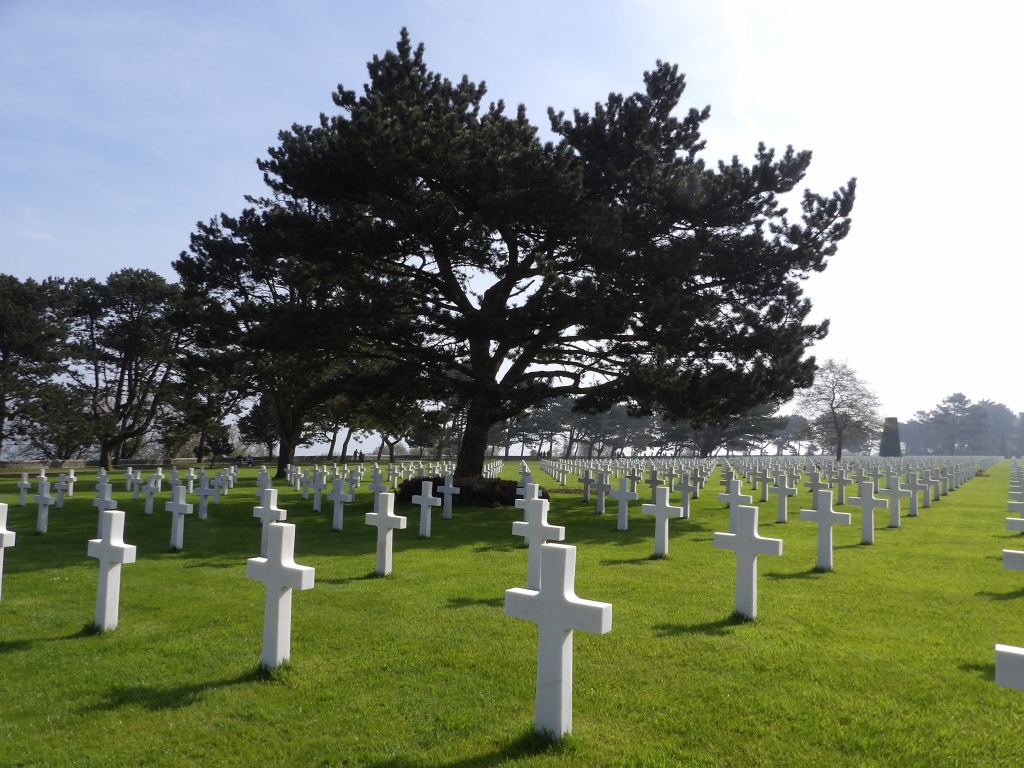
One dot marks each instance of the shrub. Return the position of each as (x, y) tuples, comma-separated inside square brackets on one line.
[(474, 491)]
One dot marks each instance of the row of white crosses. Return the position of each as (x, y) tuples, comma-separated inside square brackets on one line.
[(1009, 658)]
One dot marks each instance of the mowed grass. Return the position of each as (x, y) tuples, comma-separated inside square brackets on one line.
[(886, 661)]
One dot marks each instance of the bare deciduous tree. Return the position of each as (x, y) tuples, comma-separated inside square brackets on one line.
[(840, 407)]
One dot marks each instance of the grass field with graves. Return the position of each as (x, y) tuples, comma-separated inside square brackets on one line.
[(886, 661)]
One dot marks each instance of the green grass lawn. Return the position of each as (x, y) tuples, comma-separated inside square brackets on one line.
[(886, 661)]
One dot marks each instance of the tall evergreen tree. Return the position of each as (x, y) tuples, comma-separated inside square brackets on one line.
[(612, 263)]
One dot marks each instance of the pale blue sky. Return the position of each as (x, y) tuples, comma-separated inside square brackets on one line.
[(123, 123)]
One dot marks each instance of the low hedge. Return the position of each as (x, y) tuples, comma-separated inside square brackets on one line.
[(473, 491)]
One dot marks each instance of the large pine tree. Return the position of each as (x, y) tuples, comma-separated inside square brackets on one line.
[(611, 262)]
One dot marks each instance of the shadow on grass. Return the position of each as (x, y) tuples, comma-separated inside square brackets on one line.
[(1014, 595), (529, 744), (719, 628), (154, 698), (469, 602), (629, 560), (370, 576), (984, 671), (497, 548), (9, 646), (810, 573)]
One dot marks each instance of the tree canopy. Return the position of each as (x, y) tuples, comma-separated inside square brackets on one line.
[(611, 262)]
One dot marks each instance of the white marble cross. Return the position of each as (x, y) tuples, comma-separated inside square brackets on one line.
[(43, 502), (386, 521), (783, 490), (688, 489), (178, 509), (112, 553), (340, 497), (915, 486), (61, 487), (623, 495), (663, 512), (23, 486), (762, 476), (280, 573), (893, 493), (557, 611), (535, 530), (814, 485), (587, 482), (447, 491), (102, 502), (825, 517), (426, 499), (204, 492), (840, 481), (318, 486), (734, 499), (267, 512), (149, 489), (7, 538), (747, 544), (601, 487), (868, 503)]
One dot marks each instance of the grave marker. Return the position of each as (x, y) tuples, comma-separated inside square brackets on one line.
[(825, 516), (747, 544), (386, 521), (535, 530), (557, 611), (112, 553), (281, 574), (426, 499)]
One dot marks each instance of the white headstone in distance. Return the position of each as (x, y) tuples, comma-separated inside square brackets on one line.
[(386, 521), (825, 516), (426, 500), (112, 553), (734, 499), (43, 503), (267, 512), (204, 492), (868, 503), (663, 512), (447, 491), (149, 491), (623, 495), (892, 494), (23, 486), (7, 538), (535, 530), (61, 488), (102, 502), (557, 611), (747, 544), (280, 573), (178, 509), (340, 497), (782, 490)]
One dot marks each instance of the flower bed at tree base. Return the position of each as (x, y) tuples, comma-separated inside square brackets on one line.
[(474, 491)]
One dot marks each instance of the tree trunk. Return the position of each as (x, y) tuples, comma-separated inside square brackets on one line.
[(334, 442), (287, 455), (473, 448), (344, 445), (107, 456), (380, 450)]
